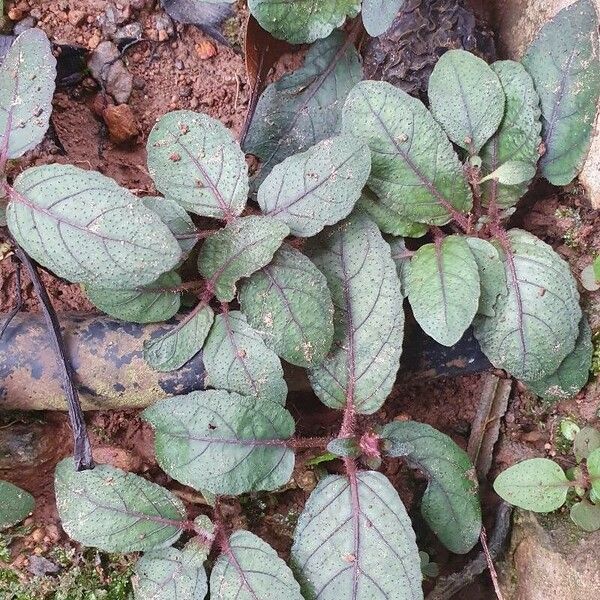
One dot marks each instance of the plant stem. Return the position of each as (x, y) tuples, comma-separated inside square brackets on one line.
[(490, 563), (82, 450), (305, 443)]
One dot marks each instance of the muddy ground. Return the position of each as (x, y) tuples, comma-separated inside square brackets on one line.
[(186, 70)]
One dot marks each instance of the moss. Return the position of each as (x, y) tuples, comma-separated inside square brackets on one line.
[(572, 234)]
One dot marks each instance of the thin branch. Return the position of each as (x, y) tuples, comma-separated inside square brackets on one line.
[(490, 563), (19, 303), (82, 450)]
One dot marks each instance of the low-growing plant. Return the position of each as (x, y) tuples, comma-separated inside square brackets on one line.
[(351, 170)]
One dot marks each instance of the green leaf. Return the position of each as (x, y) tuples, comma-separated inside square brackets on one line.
[(344, 447), (563, 61), (176, 219), (403, 137), (378, 15), (168, 351), (593, 467), (450, 504), (586, 441), (368, 319), (388, 220), (443, 288), (318, 187), (148, 304), (518, 137), (170, 574), (466, 99), (537, 484), (223, 442), (573, 372), (491, 274), (304, 21), (537, 324), (401, 257), (289, 304), (304, 107), (195, 160), (238, 250), (86, 228), (26, 87), (116, 511), (236, 359), (512, 172), (586, 515), (15, 504), (249, 569), (354, 540)]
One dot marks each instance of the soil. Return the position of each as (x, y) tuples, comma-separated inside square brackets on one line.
[(178, 73)]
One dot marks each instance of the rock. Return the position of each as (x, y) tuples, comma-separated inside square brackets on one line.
[(164, 26), (18, 11), (131, 31), (76, 17), (40, 566), (206, 49), (108, 69), (121, 123), (517, 23), (550, 559), (21, 26)]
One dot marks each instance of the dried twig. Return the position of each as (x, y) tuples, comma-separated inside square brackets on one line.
[(490, 563)]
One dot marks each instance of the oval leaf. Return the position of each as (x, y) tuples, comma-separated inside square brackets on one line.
[(169, 574), (15, 504), (223, 442), (26, 87), (403, 137), (302, 22), (236, 359), (195, 160), (450, 504), (586, 441), (176, 219), (304, 107), (466, 99), (593, 467), (171, 350), (563, 61), (512, 172), (369, 320), (318, 187), (116, 511), (354, 540), (586, 515), (518, 137), (573, 373), (378, 15), (250, 569), (150, 304), (538, 484), (86, 228), (443, 288), (238, 250), (289, 304), (537, 323), (401, 257)]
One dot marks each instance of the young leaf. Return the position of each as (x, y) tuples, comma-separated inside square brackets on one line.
[(537, 323), (586, 515), (116, 511), (170, 574), (86, 228), (443, 288), (223, 442), (466, 99), (236, 359), (354, 540), (318, 187), (249, 569), (512, 172), (563, 61), (593, 467), (378, 15), (491, 274), (403, 137), (26, 87), (586, 441), (302, 22), (369, 320), (344, 447), (176, 219), (171, 350), (238, 250), (537, 484), (15, 504), (195, 160), (289, 304), (518, 137), (450, 504), (573, 372), (304, 107), (148, 304)]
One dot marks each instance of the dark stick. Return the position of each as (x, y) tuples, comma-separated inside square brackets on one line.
[(19, 303), (82, 450)]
